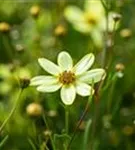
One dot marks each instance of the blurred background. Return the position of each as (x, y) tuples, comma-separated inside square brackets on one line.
[(42, 28)]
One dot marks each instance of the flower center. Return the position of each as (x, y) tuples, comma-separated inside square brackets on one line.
[(90, 19), (67, 77)]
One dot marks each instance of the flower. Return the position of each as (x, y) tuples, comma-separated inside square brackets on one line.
[(91, 20), (85, 20), (71, 79)]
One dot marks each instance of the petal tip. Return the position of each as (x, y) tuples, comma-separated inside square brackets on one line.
[(70, 102), (91, 55), (40, 59)]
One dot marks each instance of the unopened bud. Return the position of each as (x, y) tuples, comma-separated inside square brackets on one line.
[(119, 67), (126, 33), (19, 48), (60, 30), (4, 27), (24, 83), (35, 10), (52, 113), (47, 133), (116, 17), (119, 70), (34, 109)]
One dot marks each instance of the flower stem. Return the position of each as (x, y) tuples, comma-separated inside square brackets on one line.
[(66, 125), (110, 95), (106, 7), (11, 112), (66, 120), (3, 141), (86, 134), (96, 113), (80, 121), (47, 126), (8, 47)]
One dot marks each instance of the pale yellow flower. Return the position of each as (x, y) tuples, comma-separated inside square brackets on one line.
[(70, 79), (90, 20)]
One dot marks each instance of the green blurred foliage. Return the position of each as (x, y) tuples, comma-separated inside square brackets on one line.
[(33, 36)]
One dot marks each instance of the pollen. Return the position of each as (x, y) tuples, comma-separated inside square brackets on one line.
[(67, 77)]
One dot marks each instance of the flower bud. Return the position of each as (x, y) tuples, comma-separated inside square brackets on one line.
[(119, 70), (126, 33), (47, 133), (35, 10), (116, 17), (19, 48), (52, 113), (34, 109), (119, 67), (4, 27), (24, 83), (60, 30)]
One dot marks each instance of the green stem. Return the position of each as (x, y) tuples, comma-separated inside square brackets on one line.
[(32, 144), (111, 45), (7, 47), (106, 36), (95, 121), (47, 126), (86, 135), (4, 141), (11, 112), (66, 120), (116, 107), (96, 114), (104, 5), (80, 120), (66, 124), (110, 95)]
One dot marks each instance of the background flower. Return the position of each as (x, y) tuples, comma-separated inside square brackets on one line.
[(90, 20)]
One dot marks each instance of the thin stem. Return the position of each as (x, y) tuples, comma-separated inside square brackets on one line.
[(106, 35), (32, 144), (80, 121), (86, 135), (116, 107), (94, 123), (66, 120), (47, 126), (4, 141), (104, 5), (111, 45), (45, 121), (110, 95), (66, 124), (12, 111), (7, 46)]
